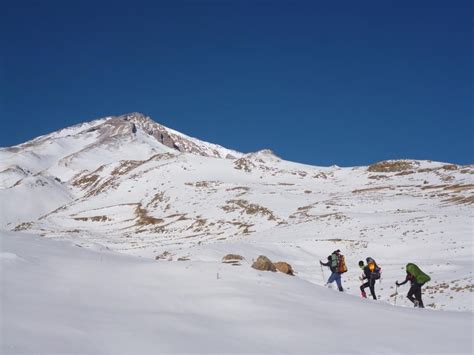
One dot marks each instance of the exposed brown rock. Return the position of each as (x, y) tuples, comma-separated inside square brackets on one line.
[(85, 181), (143, 218), (378, 177), (284, 268), (93, 219), (461, 200), (406, 172), (389, 166), (248, 208), (450, 167), (165, 255), (460, 187), (264, 264), (23, 226), (320, 175), (371, 189), (244, 164), (232, 258), (126, 166)]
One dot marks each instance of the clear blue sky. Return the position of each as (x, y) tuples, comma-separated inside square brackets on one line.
[(319, 82)]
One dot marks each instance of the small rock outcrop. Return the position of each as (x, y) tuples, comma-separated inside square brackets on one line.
[(450, 167), (390, 166), (284, 268), (232, 258), (264, 264), (166, 255)]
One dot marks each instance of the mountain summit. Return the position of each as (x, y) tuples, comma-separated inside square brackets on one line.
[(115, 133)]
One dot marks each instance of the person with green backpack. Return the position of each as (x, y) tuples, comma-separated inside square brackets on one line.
[(417, 279), (337, 264)]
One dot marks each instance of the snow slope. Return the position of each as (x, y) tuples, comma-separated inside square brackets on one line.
[(189, 205), (101, 200), (59, 298)]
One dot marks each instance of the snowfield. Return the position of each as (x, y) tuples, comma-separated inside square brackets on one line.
[(60, 298), (112, 234)]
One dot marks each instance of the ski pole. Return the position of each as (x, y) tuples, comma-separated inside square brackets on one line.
[(322, 271), (396, 294)]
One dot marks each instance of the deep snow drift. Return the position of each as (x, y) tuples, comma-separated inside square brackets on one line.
[(60, 298)]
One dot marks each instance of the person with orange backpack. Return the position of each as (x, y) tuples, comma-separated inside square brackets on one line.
[(337, 265), (372, 273)]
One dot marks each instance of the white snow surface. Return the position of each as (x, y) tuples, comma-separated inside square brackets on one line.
[(85, 211), (60, 298)]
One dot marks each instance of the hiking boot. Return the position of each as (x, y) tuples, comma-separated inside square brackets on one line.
[(363, 294), (416, 303)]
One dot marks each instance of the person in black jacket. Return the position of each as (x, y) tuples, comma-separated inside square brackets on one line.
[(371, 274), (415, 290)]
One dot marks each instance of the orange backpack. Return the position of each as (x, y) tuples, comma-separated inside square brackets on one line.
[(341, 267)]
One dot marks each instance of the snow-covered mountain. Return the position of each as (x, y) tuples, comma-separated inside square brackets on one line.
[(133, 186), (47, 165)]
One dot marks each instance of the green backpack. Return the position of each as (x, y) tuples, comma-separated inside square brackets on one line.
[(420, 276), (338, 263)]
